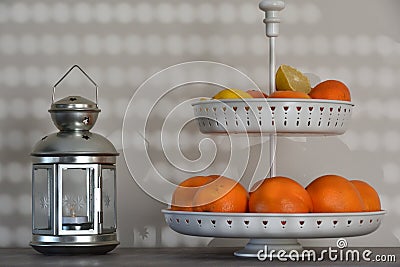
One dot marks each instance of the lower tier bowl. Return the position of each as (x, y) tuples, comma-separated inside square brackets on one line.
[(273, 225), (272, 230)]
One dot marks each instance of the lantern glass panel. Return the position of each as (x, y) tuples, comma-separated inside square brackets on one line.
[(77, 198), (42, 201), (108, 202)]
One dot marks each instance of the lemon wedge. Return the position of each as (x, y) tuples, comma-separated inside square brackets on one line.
[(290, 79)]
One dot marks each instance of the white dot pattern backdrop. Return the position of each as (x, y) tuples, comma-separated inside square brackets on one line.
[(122, 43)]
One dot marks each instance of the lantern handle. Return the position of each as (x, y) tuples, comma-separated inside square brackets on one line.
[(62, 78)]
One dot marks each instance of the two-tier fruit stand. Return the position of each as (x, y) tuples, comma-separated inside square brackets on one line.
[(273, 117)]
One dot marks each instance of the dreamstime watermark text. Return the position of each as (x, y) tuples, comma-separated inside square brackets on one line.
[(340, 253)]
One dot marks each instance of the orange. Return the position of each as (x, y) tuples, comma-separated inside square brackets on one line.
[(182, 198), (368, 194), (256, 185), (215, 176), (279, 195), (289, 94), (331, 89), (222, 195), (333, 193), (257, 94)]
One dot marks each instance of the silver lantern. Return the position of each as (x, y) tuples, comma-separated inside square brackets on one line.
[(74, 182)]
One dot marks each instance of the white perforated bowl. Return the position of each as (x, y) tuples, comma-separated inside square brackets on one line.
[(278, 115), (265, 225)]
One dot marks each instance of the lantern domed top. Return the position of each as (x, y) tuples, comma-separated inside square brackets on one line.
[(65, 143)]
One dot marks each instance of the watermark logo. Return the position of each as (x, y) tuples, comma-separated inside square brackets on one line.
[(160, 138), (339, 253), (341, 243)]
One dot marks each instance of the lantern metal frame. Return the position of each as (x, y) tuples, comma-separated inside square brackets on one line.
[(74, 147), (92, 176)]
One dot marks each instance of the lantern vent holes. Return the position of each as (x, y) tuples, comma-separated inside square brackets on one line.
[(86, 120), (86, 137), (72, 99)]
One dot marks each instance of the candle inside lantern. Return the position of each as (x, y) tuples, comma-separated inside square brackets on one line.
[(72, 205), (74, 219)]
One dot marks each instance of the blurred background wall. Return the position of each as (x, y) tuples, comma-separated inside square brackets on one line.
[(122, 43)]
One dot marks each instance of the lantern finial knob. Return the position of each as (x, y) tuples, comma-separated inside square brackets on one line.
[(74, 113)]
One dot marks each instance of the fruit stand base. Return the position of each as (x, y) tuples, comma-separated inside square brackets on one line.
[(266, 248)]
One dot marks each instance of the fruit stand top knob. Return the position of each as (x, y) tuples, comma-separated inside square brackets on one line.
[(272, 20)]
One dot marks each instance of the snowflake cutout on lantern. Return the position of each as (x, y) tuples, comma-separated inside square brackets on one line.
[(143, 233), (73, 204), (107, 200), (44, 202)]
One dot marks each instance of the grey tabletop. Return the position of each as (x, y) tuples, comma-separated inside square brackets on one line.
[(206, 256)]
